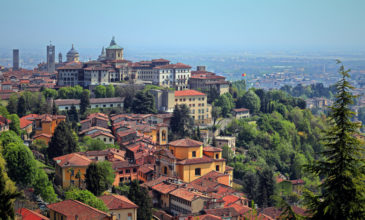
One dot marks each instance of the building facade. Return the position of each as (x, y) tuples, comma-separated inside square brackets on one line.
[(51, 58), (200, 110), (202, 79)]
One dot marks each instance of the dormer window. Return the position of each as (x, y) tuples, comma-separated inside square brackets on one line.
[(216, 156)]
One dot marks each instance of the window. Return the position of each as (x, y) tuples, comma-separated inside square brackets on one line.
[(129, 216), (172, 151), (121, 172), (134, 170), (128, 171), (197, 172), (104, 105), (104, 139), (217, 168), (66, 108), (97, 106), (110, 139), (193, 154), (165, 170), (216, 156)]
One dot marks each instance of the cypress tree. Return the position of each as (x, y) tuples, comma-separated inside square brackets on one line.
[(84, 101), (343, 192), (139, 195), (21, 109), (62, 141)]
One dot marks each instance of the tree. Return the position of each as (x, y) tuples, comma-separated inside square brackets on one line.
[(216, 112), (99, 177), (100, 91), (54, 108), (62, 142), (110, 91), (226, 103), (21, 109), (8, 137), (13, 104), (227, 153), (265, 188), (139, 195), (73, 116), (128, 102), (84, 101), (14, 124), (8, 193), (181, 123), (20, 163), (343, 192), (43, 187), (251, 101), (3, 111), (86, 197), (250, 184), (143, 103)]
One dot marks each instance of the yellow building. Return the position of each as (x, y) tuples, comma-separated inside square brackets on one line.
[(120, 206), (45, 125), (189, 160), (71, 170), (200, 110)]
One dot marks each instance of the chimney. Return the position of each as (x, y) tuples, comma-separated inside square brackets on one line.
[(200, 68)]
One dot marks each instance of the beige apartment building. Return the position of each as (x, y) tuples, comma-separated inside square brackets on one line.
[(200, 110)]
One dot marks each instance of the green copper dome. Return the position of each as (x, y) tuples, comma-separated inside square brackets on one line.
[(113, 45)]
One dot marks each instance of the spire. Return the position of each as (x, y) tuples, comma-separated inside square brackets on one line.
[(72, 47), (112, 43), (102, 51)]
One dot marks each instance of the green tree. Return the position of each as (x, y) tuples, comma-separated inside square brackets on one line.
[(216, 112), (73, 115), (84, 101), (99, 177), (20, 163), (250, 185), (14, 124), (12, 105), (266, 188), (343, 192), (43, 187), (54, 108), (181, 123), (100, 91), (143, 103), (21, 109), (62, 142), (8, 193), (86, 197), (139, 195), (50, 93), (227, 153), (226, 103), (8, 137), (250, 101), (110, 91), (3, 111)]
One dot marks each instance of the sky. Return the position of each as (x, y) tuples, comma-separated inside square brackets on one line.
[(192, 24)]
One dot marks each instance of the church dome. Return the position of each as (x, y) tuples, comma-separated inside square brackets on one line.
[(72, 51)]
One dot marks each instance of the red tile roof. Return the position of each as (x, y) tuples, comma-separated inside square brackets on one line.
[(203, 159), (206, 217), (241, 110), (117, 202), (212, 149), (155, 181), (229, 199), (31, 215), (73, 208), (164, 188), (186, 142), (173, 66), (73, 159), (24, 122), (189, 92), (98, 133), (184, 193)]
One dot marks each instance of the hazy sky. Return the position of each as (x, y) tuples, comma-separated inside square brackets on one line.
[(287, 24)]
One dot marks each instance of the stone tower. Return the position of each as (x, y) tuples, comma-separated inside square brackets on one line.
[(114, 51), (51, 58), (16, 59)]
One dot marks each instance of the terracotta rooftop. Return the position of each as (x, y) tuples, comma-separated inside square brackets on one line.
[(241, 110), (205, 217), (184, 193), (164, 188), (98, 133), (31, 215), (73, 208), (229, 199), (117, 202), (274, 212), (186, 142), (155, 181), (189, 92), (212, 149), (201, 160), (173, 66), (73, 159), (223, 212), (24, 122), (95, 128)]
